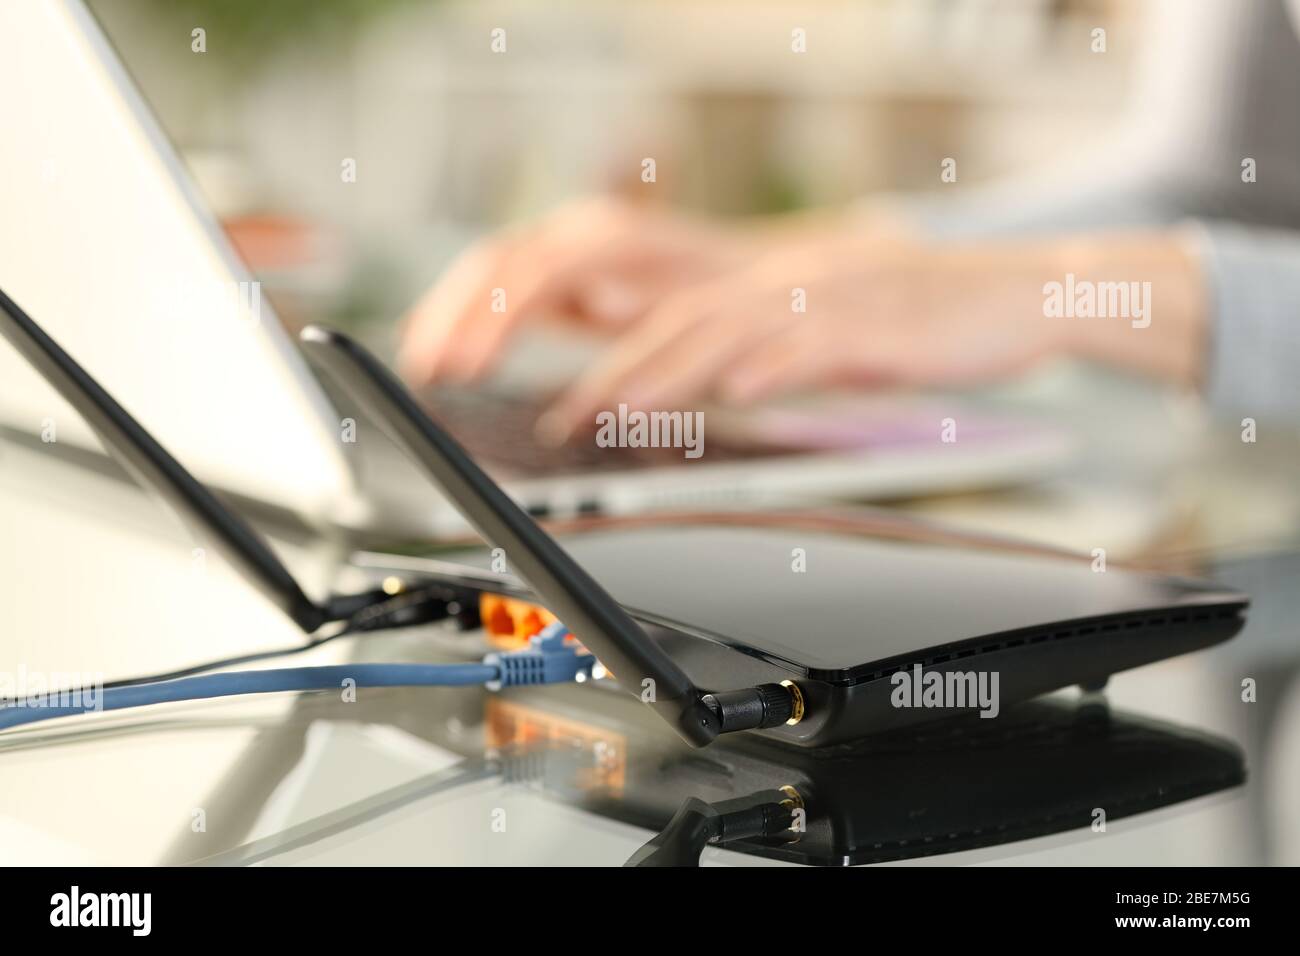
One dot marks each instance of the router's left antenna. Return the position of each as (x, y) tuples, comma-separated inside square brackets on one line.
[(238, 543)]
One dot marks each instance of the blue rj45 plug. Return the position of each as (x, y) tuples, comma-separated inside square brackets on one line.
[(548, 659)]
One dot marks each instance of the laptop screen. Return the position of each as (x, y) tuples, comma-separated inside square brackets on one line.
[(105, 243)]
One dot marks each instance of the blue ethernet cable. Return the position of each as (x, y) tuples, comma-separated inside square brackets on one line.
[(548, 659)]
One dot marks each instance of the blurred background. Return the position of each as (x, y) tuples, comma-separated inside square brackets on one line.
[(451, 139)]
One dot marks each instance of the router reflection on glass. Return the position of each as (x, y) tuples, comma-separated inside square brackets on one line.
[(700, 626)]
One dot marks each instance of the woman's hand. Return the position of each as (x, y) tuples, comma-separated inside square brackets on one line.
[(895, 313), (829, 313), (601, 262), (708, 312)]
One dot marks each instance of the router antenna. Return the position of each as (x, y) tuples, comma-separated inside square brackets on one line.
[(582, 604)]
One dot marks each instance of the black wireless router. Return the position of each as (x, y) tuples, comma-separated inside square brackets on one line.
[(677, 607), (710, 625), (880, 599)]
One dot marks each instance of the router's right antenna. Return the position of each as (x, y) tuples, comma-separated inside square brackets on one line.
[(582, 604)]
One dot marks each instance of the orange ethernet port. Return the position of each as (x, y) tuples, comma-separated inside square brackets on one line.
[(510, 622)]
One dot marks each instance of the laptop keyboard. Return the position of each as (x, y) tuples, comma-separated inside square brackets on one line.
[(497, 429)]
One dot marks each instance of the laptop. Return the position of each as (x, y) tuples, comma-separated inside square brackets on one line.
[(109, 241)]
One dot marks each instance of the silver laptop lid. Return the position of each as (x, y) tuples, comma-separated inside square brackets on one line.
[(106, 243)]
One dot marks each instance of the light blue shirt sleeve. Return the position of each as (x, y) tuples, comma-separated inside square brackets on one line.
[(1254, 286)]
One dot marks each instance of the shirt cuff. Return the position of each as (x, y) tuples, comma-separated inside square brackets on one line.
[(1253, 277)]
